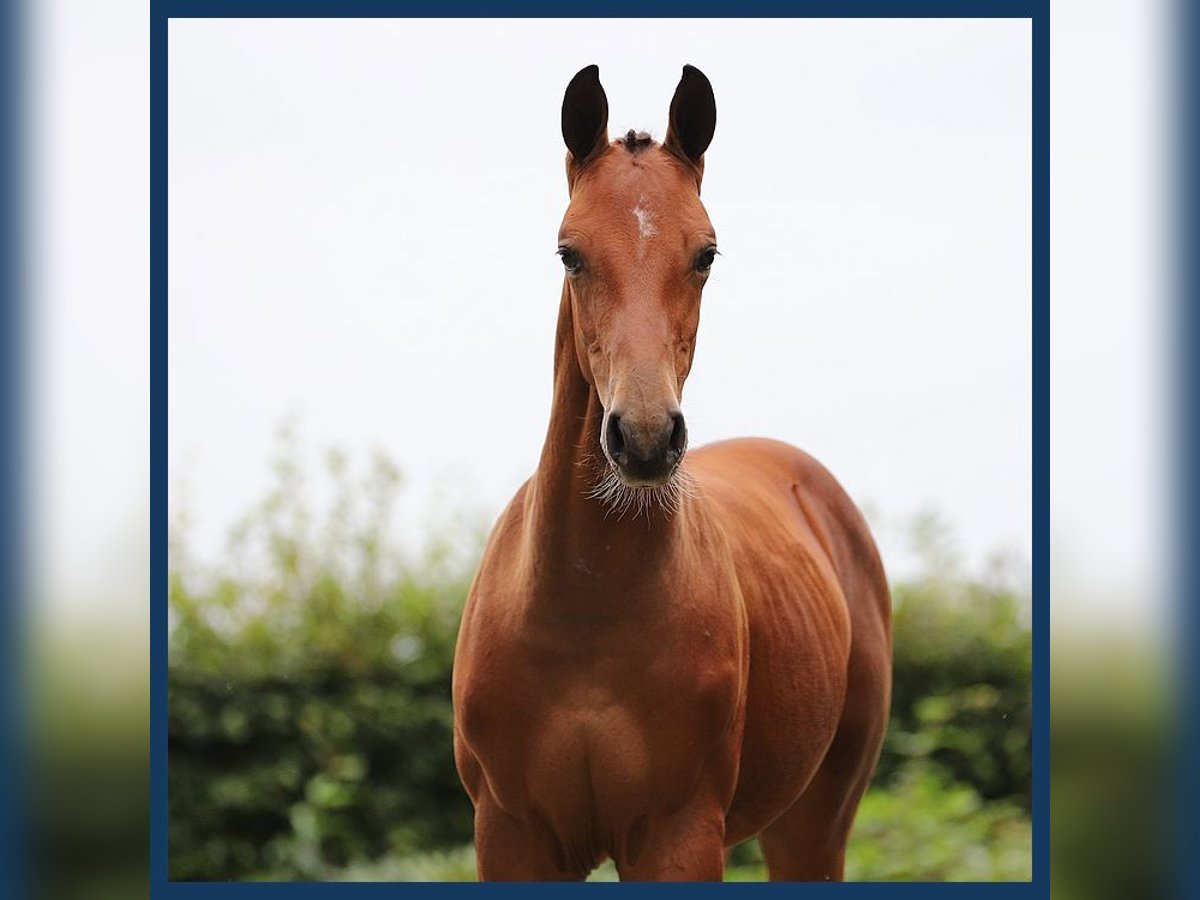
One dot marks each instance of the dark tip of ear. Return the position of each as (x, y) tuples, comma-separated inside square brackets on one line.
[(587, 73), (585, 113), (693, 115)]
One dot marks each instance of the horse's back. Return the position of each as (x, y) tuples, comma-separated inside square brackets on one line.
[(819, 613)]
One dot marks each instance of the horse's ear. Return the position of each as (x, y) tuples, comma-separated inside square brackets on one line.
[(693, 117), (585, 115)]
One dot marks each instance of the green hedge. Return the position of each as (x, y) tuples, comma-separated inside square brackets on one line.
[(961, 692), (309, 688), (298, 769)]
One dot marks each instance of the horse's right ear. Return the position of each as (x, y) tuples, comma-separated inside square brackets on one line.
[(585, 115)]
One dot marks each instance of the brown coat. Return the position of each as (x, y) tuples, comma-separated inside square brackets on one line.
[(655, 685)]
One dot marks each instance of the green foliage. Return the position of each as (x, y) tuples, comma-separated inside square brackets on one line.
[(309, 711), (923, 828), (1113, 734), (455, 864), (961, 676), (310, 729)]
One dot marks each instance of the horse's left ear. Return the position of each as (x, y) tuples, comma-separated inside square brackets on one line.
[(693, 117)]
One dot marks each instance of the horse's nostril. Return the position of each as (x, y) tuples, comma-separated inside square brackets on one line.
[(678, 441), (615, 438)]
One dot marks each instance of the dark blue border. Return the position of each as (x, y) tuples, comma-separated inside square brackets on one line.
[(158, 446), (1185, 450), (1035, 10), (598, 9), (13, 653), (1041, 447)]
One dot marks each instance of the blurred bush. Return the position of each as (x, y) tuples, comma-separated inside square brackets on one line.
[(922, 828), (88, 718), (1115, 773), (310, 717), (962, 667), (309, 690)]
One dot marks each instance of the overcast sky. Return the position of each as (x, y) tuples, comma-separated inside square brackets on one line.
[(363, 218)]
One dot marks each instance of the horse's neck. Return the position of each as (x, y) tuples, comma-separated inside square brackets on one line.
[(573, 536)]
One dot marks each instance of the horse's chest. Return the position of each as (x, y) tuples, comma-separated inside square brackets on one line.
[(597, 732)]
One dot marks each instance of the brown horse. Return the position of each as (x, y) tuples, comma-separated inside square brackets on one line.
[(662, 657)]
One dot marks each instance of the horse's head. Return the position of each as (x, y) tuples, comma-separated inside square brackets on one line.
[(637, 246)]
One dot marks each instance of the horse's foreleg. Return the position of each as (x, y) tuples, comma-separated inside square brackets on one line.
[(508, 849), (690, 846)]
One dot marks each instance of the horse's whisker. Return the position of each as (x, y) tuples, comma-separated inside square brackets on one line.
[(619, 497)]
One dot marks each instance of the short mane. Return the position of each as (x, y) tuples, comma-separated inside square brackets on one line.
[(636, 141)]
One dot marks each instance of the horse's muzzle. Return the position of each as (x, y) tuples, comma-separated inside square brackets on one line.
[(645, 453)]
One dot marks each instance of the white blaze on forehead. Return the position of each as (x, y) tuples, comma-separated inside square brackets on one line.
[(645, 220)]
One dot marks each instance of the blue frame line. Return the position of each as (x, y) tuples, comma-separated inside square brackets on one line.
[(1041, 447), (1035, 10), (158, 446), (14, 653), (596, 9), (1185, 450)]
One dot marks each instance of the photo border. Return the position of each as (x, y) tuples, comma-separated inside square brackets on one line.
[(1037, 11), (1184, 571), (15, 542)]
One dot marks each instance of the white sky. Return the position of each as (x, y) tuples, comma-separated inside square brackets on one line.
[(1111, 236), (363, 218), (88, 96)]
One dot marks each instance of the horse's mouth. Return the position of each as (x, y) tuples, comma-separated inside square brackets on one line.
[(646, 482), (644, 474), (621, 493)]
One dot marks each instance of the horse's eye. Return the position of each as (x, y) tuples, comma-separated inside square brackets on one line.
[(571, 260), (704, 259)]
